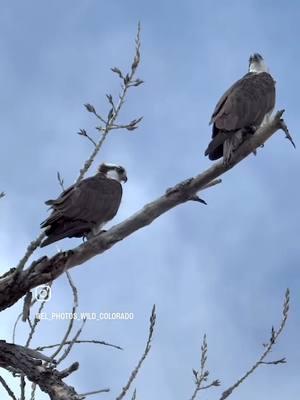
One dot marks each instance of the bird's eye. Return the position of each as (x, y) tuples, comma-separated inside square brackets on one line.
[(121, 170)]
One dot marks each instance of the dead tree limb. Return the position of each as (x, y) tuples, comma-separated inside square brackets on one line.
[(30, 363), (15, 285)]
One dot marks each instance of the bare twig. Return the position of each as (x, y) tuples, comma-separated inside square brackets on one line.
[(30, 336), (73, 341), (36, 320), (84, 395), (212, 183), (128, 81), (68, 371), (146, 351), (7, 388), (34, 325), (15, 327), (201, 376), (26, 306), (280, 361), (18, 319), (130, 127), (287, 133), (274, 336), (22, 386), (70, 326), (30, 249), (33, 390), (51, 346), (83, 133)]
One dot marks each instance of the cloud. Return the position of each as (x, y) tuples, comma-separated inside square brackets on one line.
[(220, 269)]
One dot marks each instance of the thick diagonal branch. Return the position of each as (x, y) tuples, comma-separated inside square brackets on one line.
[(14, 286)]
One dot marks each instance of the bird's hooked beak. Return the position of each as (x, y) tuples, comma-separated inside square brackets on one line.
[(124, 178)]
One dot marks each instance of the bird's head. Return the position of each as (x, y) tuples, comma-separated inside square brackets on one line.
[(113, 171), (257, 64)]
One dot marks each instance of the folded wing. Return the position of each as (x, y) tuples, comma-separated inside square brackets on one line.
[(80, 209)]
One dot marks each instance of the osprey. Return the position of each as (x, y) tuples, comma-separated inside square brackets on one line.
[(82, 209), (242, 109)]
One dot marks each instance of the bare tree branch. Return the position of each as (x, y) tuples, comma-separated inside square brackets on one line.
[(84, 395), (22, 386), (21, 315), (51, 346), (113, 114), (41, 369), (68, 371), (33, 390), (29, 251), (201, 376), (26, 306), (7, 388), (49, 361), (274, 336), (71, 344), (70, 326), (15, 327), (35, 323), (83, 132), (146, 351), (29, 362), (14, 286)]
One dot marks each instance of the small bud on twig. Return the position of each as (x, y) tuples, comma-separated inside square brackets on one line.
[(137, 82), (90, 108), (118, 72)]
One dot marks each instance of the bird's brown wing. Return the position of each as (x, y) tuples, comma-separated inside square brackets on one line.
[(224, 98), (245, 103), (93, 200), (62, 197)]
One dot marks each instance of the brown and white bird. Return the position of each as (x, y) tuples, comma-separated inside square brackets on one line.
[(242, 109), (83, 209)]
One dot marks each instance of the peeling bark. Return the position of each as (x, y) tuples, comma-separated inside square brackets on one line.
[(30, 363)]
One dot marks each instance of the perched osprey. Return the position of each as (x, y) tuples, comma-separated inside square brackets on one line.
[(82, 210), (242, 109)]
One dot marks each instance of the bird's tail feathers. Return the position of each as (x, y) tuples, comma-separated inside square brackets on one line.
[(215, 147), (70, 229)]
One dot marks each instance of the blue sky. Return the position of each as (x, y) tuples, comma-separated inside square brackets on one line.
[(220, 269)]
